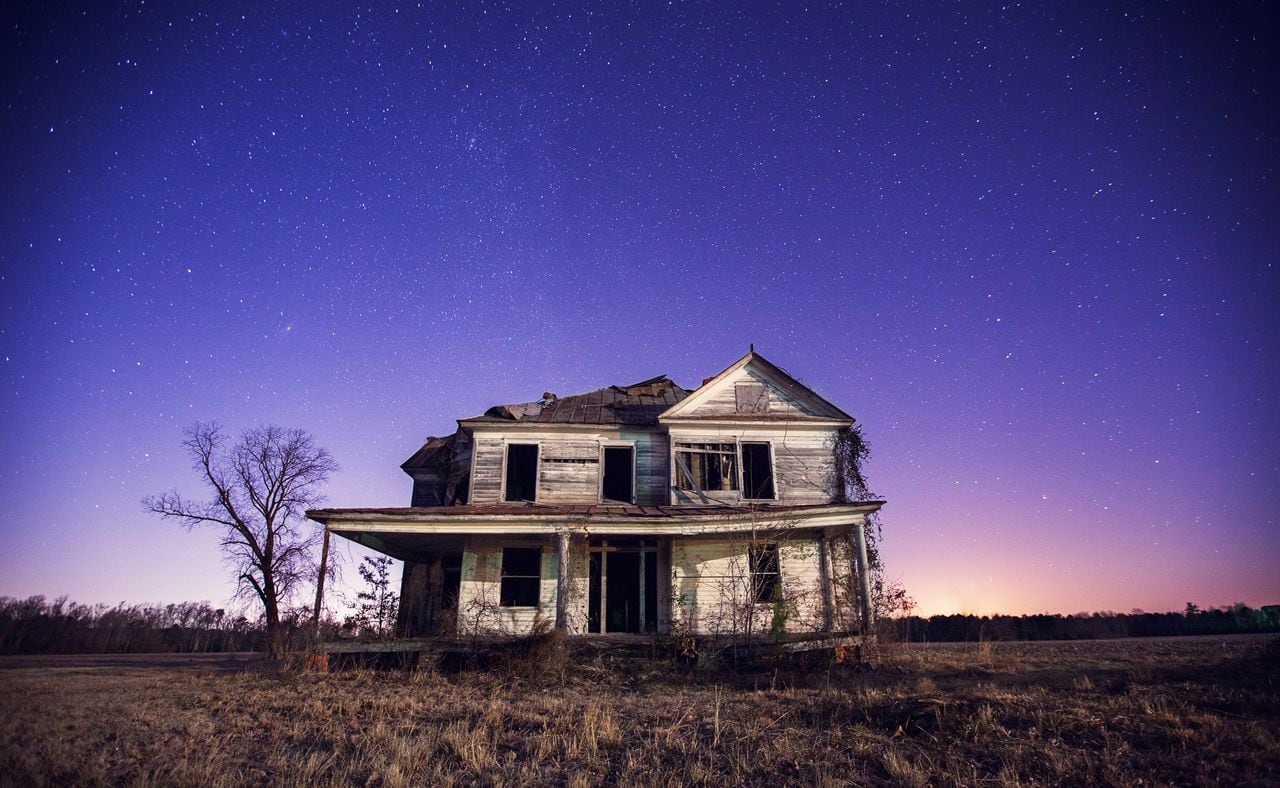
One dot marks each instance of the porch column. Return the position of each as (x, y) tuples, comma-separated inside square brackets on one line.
[(827, 581), (562, 581), (864, 579), (324, 569)]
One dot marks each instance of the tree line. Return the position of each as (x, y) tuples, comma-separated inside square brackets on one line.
[(38, 626), (1236, 619)]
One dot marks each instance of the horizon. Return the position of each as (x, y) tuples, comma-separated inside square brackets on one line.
[(1033, 251)]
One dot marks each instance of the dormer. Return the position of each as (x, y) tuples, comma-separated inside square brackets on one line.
[(752, 434)]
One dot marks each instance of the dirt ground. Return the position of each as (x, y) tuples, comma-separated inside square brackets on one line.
[(1181, 711)]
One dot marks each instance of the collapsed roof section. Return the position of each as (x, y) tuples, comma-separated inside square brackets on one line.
[(635, 405)]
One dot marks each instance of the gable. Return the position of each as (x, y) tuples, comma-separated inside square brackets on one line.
[(754, 389)]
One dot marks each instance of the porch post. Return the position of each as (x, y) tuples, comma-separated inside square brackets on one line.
[(324, 568), (562, 581), (864, 580), (828, 582)]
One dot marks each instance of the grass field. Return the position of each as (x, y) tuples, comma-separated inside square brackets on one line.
[(1127, 712)]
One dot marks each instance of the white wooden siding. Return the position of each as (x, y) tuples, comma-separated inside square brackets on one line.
[(723, 401), (712, 592), (479, 599), (803, 463), (569, 464)]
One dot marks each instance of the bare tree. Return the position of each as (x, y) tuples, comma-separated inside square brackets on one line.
[(261, 486)]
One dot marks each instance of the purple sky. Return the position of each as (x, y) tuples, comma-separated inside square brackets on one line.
[(1034, 251)]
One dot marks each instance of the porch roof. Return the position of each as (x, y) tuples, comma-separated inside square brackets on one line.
[(533, 518)]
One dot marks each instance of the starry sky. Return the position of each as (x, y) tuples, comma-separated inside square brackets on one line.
[(1031, 247)]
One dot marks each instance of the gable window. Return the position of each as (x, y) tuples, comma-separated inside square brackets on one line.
[(522, 472), (521, 576), (751, 398), (619, 472), (763, 563), (757, 471), (706, 467)]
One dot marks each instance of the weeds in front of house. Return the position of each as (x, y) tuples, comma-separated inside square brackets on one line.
[(1093, 713)]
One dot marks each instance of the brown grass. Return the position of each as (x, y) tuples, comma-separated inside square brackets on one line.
[(1185, 711)]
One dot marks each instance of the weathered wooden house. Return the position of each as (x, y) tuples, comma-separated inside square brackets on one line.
[(642, 508)]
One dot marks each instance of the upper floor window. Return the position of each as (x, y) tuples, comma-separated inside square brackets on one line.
[(713, 467), (706, 467), (522, 472), (757, 471), (618, 481)]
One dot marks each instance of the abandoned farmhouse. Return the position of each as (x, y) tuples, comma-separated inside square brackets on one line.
[(722, 510)]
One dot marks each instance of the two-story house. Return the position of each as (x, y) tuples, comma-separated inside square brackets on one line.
[(640, 508)]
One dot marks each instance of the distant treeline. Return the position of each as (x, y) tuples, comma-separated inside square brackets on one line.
[(1237, 619), (38, 626)]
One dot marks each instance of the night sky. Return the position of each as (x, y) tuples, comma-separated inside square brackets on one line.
[(1032, 249)]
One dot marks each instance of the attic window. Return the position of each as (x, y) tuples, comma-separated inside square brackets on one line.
[(707, 467), (751, 398), (521, 576), (522, 472)]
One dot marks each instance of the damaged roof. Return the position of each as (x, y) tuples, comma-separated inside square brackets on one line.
[(635, 405)]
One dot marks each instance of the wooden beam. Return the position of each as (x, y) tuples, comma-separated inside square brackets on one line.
[(828, 582), (864, 578), (324, 567), (562, 581)]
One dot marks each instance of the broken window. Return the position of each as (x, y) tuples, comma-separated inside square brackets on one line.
[(706, 467), (522, 472), (751, 398), (757, 471), (521, 576), (765, 580), (619, 471)]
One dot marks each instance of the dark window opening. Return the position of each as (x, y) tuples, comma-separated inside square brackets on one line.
[(708, 467), (757, 471), (618, 469), (763, 562), (462, 493), (521, 576), (522, 472)]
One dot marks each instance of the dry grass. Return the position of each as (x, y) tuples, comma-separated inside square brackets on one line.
[(1189, 711)]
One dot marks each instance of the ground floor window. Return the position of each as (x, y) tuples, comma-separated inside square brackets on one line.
[(521, 576), (763, 561)]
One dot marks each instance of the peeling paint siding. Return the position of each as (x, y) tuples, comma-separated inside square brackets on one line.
[(712, 593), (800, 567), (652, 477), (803, 463), (576, 482), (486, 469), (479, 600), (843, 579), (724, 401)]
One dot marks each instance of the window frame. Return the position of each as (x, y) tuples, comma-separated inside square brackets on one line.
[(635, 460), (734, 475), (512, 600), (765, 582), (537, 469), (742, 470)]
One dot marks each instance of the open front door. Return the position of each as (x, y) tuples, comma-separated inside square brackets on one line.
[(623, 587)]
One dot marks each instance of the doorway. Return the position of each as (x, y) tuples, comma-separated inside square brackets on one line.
[(622, 588)]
